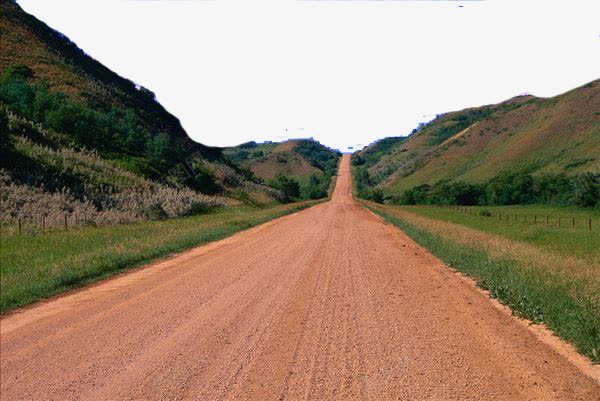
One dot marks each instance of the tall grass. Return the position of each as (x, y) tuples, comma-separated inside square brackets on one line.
[(36, 267), (561, 291), (103, 193)]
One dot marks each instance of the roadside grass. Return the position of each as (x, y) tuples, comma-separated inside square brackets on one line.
[(529, 226), (36, 267), (561, 291)]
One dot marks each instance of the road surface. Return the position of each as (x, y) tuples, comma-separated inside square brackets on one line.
[(326, 304)]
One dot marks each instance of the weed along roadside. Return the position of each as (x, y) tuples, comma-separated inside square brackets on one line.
[(560, 291), (38, 266)]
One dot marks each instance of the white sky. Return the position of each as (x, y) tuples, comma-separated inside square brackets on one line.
[(343, 72)]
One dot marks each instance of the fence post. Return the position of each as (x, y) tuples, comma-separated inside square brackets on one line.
[(535, 218), (589, 224), (66, 226), (19, 226), (573, 222), (546, 219)]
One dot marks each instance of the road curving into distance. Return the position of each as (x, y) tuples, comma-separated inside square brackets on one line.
[(326, 304)]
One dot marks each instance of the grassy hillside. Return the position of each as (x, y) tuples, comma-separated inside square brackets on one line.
[(304, 161), (526, 136), (78, 138)]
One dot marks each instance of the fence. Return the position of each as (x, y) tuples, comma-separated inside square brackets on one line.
[(549, 221), (67, 222)]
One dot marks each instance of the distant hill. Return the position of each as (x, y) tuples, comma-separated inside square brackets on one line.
[(307, 161), (59, 104), (526, 135)]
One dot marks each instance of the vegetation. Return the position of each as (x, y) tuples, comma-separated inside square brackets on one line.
[(42, 184), (560, 291), (57, 96), (536, 225), (507, 144), (510, 189), (289, 186), (114, 133), (300, 168), (456, 123), (47, 169), (363, 183), (65, 68), (38, 266)]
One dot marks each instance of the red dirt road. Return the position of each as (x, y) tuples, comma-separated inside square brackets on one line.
[(329, 303)]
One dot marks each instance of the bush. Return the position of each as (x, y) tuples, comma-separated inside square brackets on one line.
[(3, 129), (586, 190), (315, 188), (377, 195), (204, 181), (288, 186), (357, 160)]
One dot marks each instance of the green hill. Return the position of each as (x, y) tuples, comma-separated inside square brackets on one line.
[(303, 160), (77, 136), (539, 140)]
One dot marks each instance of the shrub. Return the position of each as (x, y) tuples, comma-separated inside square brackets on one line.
[(288, 186), (377, 195), (586, 190)]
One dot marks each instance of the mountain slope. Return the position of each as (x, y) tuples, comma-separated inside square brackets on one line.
[(56, 100), (529, 135), (304, 160)]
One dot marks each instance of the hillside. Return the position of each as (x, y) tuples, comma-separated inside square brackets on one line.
[(525, 136), (73, 129), (304, 160)]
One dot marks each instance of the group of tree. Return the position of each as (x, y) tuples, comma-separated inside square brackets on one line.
[(510, 189), (363, 183), (117, 133), (292, 190), (324, 159)]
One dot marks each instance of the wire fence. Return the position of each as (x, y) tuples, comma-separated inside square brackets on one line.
[(28, 226), (547, 220)]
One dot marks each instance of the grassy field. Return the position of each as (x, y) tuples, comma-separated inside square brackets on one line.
[(538, 276), (36, 267), (529, 226)]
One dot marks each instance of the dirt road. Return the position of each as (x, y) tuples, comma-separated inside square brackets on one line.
[(328, 303)]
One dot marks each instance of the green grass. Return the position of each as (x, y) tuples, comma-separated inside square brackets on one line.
[(36, 267), (579, 242), (540, 295)]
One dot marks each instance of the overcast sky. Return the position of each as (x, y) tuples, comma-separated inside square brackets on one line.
[(343, 72)]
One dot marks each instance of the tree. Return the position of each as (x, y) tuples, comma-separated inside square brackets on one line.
[(377, 195), (289, 186), (4, 136), (315, 190), (587, 190), (19, 71), (158, 149)]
